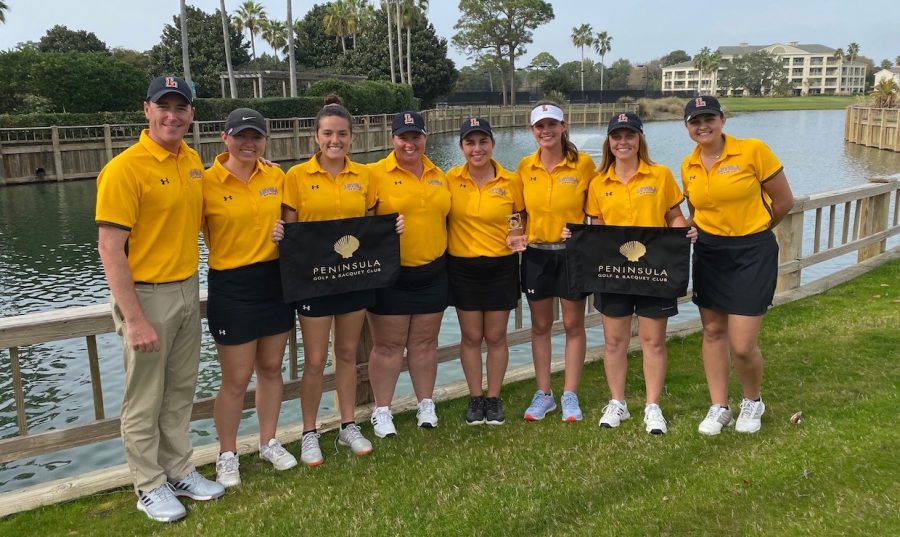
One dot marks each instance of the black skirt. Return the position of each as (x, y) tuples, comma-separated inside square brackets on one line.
[(422, 289), (545, 275), (735, 274), (339, 304), (246, 303), (484, 283)]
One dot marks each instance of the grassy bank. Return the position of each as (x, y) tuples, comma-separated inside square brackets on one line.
[(832, 356), (819, 102)]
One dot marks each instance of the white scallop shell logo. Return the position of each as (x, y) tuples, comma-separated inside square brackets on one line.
[(346, 246), (633, 250)]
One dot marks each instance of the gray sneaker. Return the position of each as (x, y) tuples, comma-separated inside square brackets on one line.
[(228, 472), (160, 504), (749, 419), (310, 453), (717, 418), (353, 438), (275, 453), (197, 487)]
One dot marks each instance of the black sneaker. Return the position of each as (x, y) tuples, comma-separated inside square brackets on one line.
[(475, 412), (493, 411)]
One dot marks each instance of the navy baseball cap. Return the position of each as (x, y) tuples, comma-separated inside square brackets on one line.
[(705, 104), (163, 85), (475, 124), (407, 122), (242, 119), (627, 120)]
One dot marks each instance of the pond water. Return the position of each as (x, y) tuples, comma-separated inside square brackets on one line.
[(48, 260)]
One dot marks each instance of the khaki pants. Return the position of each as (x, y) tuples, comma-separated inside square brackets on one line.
[(159, 386)]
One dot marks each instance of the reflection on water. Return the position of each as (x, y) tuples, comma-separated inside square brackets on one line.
[(48, 260)]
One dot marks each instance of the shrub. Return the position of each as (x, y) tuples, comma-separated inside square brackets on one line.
[(270, 107)]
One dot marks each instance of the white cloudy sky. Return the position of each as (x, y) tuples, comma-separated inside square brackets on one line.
[(641, 30)]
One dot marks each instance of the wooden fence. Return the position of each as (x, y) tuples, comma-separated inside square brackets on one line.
[(858, 219), (80, 152), (873, 127)]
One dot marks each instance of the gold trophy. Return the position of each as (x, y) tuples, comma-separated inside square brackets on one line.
[(515, 238)]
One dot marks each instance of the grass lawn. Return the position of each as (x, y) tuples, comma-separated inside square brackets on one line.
[(833, 356), (819, 102)]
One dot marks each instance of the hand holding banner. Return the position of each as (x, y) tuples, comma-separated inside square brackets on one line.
[(650, 261), (329, 257)]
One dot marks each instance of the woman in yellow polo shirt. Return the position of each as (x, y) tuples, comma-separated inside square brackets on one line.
[(408, 314), (329, 186), (632, 190), (247, 316), (483, 271), (737, 193), (555, 179)]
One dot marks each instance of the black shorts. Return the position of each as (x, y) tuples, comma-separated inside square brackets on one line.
[(322, 306), (651, 307), (545, 275), (735, 274), (484, 283), (246, 303), (422, 289)]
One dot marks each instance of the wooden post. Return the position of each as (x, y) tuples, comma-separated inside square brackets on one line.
[(96, 386), (57, 153), (107, 142), (366, 128), (2, 167), (295, 141), (875, 219), (364, 393), (195, 127), (789, 234), (18, 390)]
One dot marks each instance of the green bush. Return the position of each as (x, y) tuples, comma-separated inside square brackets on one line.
[(62, 119), (367, 96), (272, 108)]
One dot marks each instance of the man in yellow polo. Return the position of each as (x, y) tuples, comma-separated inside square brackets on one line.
[(149, 205)]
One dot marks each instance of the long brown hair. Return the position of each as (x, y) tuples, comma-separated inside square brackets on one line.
[(609, 159), (570, 152)]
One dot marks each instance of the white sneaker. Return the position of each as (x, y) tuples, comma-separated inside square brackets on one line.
[(160, 504), (614, 414), (353, 438), (654, 421), (275, 453), (717, 418), (383, 422), (749, 419), (310, 453), (426, 416), (227, 470)]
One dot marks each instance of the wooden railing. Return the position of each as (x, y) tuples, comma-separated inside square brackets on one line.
[(873, 127), (79, 152), (858, 219)]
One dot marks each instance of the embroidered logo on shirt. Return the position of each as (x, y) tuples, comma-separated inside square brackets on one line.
[(729, 169), (568, 180), (164, 181), (435, 182), (646, 190), (227, 198), (268, 191), (353, 187), (314, 187), (397, 183), (196, 174), (498, 192)]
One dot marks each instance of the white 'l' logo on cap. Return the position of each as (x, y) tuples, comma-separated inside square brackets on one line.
[(408, 119), (171, 82)]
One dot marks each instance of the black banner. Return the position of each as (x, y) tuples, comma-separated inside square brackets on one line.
[(651, 261), (338, 256)]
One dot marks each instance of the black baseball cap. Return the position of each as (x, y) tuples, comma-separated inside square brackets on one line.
[(704, 104), (626, 120), (475, 124), (407, 122), (163, 85), (242, 119)]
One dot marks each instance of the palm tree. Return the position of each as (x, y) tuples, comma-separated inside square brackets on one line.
[(413, 13), (886, 94), (707, 62), (185, 56), (274, 32), (386, 5), (582, 36), (3, 9), (337, 22), (250, 16), (602, 45), (360, 11), (399, 43), (838, 54), (852, 51), (226, 34), (292, 68)]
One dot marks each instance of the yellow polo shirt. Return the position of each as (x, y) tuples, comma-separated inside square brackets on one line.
[(316, 195), (238, 217), (424, 204), (157, 197), (477, 225), (554, 198), (643, 201), (729, 199)]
